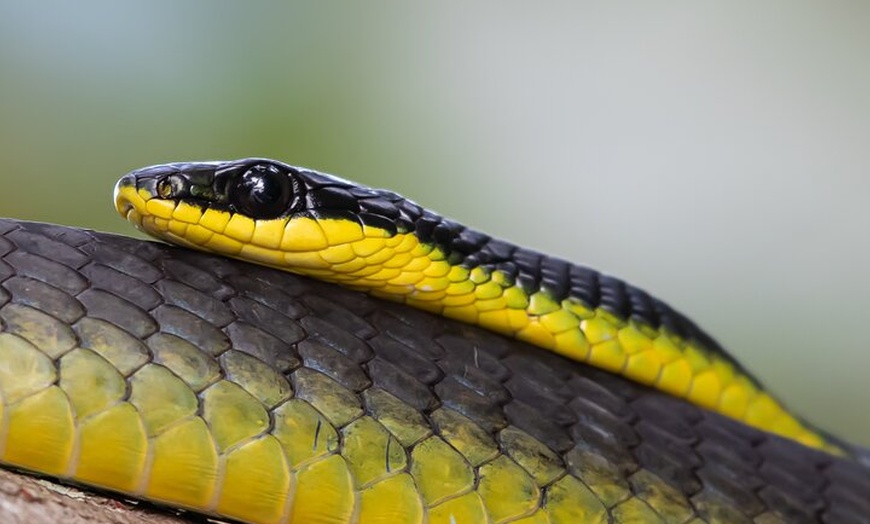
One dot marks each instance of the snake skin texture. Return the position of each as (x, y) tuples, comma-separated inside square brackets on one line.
[(377, 241), (252, 394)]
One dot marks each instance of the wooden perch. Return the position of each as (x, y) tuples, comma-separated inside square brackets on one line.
[(29, 500)]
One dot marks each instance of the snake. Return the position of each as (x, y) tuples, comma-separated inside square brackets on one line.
[(524, 388)]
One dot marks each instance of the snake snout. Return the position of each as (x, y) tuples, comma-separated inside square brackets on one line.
[(121, 194)]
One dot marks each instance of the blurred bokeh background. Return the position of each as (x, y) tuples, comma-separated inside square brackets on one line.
[(715, 153)]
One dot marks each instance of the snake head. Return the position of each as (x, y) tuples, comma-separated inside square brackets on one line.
[(263, 210), (257, 188)]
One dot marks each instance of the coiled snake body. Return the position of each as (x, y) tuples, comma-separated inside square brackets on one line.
[(252, 394)]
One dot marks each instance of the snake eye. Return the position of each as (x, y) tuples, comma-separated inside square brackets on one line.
[(261, 192), (164, 188), (172, 186)]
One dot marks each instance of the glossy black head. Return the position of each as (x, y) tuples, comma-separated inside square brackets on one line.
[(257, 188), (263, 189)]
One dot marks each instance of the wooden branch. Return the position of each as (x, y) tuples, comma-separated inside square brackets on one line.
[(29, 500)]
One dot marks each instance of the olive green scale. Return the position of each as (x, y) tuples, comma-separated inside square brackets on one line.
[(247, 393)]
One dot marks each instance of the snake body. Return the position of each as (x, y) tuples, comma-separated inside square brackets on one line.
[(253, 394), (377, 241)]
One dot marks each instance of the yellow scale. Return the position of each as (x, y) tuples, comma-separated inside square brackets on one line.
[(401, 268)]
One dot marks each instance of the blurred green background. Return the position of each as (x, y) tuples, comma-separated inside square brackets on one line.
[(716, 154)]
